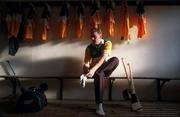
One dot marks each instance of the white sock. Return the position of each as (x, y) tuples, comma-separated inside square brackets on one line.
[(99, 110)]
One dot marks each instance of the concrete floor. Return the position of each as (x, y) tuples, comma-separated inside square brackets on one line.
[(68, 108)]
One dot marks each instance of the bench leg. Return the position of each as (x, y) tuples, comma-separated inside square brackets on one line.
[(60, 94), (111, 81)]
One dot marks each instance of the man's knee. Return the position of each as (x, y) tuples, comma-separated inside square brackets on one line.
[(98, 75), (115, 60)]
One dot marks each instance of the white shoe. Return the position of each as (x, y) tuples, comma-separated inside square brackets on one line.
[(100, 112)]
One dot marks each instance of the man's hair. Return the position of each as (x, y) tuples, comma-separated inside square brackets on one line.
[(98, 30)]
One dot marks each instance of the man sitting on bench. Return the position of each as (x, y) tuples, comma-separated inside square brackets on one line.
[(98, 65)]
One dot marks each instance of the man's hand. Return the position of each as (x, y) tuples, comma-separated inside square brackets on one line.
[(98, 64), (91, 73)]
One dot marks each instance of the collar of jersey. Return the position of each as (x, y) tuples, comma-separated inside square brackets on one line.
[(101, 42)]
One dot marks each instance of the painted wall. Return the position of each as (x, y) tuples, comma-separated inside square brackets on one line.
[(156, 55)]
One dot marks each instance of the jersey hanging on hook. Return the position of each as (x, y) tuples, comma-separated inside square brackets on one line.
[(124, 21), (95, 15), (13, 21), (45, 21), (64, 20), (141, 19), (80, 17), (110, 21), (30, 23)]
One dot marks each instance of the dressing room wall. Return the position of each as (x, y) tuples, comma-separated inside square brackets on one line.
[(155, 55)]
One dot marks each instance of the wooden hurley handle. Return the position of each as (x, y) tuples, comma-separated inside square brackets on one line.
[(125, 70), (131, 77)]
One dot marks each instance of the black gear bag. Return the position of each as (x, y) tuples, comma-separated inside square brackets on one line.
[(32, 99)]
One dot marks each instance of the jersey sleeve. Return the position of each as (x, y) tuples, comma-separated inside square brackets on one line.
[(108, 47)]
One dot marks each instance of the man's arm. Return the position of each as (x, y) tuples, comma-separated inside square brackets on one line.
[(98, 64), (87, 59), (106, 53), (85, 68)]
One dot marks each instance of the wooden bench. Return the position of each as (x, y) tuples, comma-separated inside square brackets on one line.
[(159, 83)]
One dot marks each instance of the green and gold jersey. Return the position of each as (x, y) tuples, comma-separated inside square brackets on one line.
[(95, 52)]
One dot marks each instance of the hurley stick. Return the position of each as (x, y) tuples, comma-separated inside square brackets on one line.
[(135, 104), (131, 78), (125, 70)]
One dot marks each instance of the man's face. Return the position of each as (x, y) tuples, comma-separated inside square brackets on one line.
[(95, 37)]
